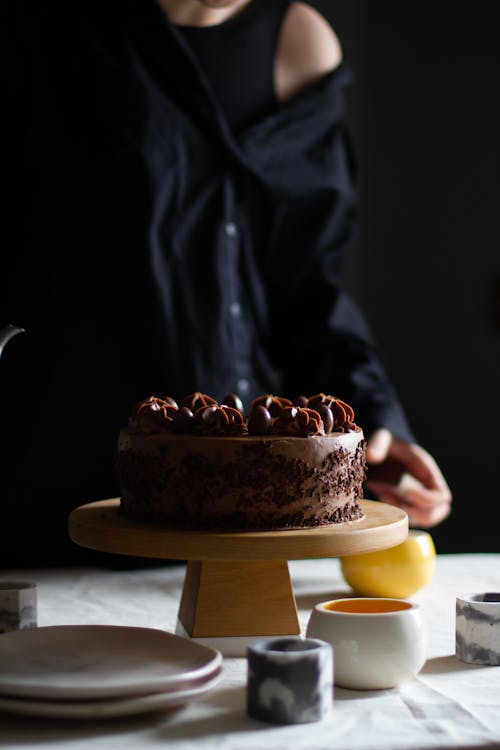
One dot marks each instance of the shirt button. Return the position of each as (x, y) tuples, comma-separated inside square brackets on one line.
[(230, 229), (235, 309), (243, 385)]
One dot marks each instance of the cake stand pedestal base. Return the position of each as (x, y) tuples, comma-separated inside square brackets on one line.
[(230, 646), (251, 597), (237, 586)]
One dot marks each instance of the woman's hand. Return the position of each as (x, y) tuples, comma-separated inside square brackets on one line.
[(404, 474)]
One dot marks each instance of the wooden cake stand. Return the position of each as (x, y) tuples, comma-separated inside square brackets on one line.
[(237, 585)]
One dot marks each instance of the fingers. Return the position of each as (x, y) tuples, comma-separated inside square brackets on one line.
[(378, 445), (419, 464), (425, 508), (421, 491), (422, 516)]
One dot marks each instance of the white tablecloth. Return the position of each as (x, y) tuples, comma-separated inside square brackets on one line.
[(450, 704)]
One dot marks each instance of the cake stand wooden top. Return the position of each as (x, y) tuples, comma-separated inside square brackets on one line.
[(101, 526)]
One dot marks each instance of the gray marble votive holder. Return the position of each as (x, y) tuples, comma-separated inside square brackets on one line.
[(290, 680), (478, 628), (18, 605)]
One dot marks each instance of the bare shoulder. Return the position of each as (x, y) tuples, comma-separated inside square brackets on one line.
[(308, 49)]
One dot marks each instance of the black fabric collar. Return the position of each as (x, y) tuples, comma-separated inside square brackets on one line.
[(170, 61)]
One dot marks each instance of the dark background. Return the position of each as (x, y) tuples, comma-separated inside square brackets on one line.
[(424, 110)]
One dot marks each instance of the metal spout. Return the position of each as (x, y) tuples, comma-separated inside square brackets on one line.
[(6, 333)]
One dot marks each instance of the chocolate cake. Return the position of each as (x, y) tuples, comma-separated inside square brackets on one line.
[(206, 464)]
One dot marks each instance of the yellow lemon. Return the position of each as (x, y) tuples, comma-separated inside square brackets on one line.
[(397, 572)]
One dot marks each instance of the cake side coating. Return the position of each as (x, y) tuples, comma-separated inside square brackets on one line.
[(241, 482)]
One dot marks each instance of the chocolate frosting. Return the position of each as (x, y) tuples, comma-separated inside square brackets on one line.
[(218, 421), (342, 413), (201, 414), (152, 415), (196, 400), (298, 421), (274, 404)]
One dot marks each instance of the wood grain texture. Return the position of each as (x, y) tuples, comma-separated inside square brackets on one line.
[(237, 583), (227, 598), (100, 525)]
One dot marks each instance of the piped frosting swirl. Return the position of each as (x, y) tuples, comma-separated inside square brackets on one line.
[(201, 414)]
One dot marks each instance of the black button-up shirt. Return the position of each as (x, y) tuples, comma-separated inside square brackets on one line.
[(153, 251)]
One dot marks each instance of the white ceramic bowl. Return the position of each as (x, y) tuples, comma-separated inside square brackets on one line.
[(377, 643)]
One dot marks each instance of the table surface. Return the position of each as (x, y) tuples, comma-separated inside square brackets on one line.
[(450, 704)]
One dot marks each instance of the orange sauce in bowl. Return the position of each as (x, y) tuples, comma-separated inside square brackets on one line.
[(366, 606)]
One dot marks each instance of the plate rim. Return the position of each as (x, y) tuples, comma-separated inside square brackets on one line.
[(34, 689), (112, 708)]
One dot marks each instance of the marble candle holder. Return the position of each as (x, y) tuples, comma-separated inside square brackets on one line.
[(18, 605), (477, 638), (290, 680)]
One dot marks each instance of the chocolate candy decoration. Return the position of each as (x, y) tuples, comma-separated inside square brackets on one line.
[(171, 401), (320, 398), (274, 404), (209, 414), (300, 401), (260, 420), (234, 402), (183, 421), (201, 414), (326, 416)]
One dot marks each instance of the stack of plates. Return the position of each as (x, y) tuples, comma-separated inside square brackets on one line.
[(97, 671)]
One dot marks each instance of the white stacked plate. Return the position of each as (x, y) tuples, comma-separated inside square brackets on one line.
[(98, 671)]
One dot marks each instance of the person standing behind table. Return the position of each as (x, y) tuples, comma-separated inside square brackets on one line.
[(187, 195), (307, 50)]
